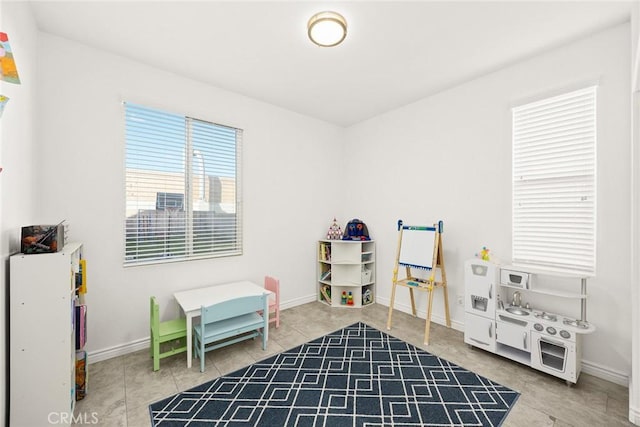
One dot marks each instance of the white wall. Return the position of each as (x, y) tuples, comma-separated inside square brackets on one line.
[(17, 157), (288, 185), (449, 157), (634, 383)]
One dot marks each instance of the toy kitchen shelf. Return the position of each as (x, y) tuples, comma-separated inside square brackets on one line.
[(496, 321), (522, 278)]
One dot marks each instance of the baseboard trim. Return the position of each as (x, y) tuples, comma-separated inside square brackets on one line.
[(457, 325), (118, 350), (634, 410), (634, 415), (143, 343), (605, 373), (298, 301), (588, 367)]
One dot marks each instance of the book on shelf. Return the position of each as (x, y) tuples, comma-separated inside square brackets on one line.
[(326, 275), (325, 251), (81, 277), (81, 326), (326, 293), (81, 374)]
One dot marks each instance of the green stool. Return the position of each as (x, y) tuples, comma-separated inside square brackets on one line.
[(162, 332)]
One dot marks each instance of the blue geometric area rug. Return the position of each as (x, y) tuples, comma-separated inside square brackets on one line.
[(357, 376)]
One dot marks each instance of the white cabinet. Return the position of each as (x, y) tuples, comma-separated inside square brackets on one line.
[(513, 333), (346, 272), (480, 332), (42, 337)]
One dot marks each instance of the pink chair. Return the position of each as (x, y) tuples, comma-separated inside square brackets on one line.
[(272, 284)]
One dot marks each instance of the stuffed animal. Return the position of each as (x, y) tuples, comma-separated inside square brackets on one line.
[(356, 230)]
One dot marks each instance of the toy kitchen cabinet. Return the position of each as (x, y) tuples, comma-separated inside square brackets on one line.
[(497, 321), (481, 279)]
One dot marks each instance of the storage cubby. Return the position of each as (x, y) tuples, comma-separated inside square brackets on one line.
[(46, 291), (368, 296), (352, 296), (346, 266)]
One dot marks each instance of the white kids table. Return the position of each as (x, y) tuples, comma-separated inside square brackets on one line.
[(192, 300)]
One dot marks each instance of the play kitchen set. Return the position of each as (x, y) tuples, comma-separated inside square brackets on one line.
[(497, 318)]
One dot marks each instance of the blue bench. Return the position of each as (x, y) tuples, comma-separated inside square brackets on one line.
[(229, 322)]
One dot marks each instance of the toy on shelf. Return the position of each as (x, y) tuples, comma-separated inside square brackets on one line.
[(335, 232), (356, 230), (484, 254), (344, 298), (350, 299)]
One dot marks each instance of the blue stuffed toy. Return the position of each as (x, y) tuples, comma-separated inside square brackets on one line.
[(356, 230)]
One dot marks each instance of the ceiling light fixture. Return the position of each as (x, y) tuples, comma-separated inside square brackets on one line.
[(327, 29)]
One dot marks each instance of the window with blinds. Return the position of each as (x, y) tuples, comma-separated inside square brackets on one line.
[(183, 198), (554, 183)]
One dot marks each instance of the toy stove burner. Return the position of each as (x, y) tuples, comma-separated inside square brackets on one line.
[(546, 316), (582, 324)]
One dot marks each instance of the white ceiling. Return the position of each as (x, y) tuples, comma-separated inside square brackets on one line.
[(395, 52)]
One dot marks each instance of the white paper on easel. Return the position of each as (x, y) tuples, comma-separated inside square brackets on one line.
[(417, 248)]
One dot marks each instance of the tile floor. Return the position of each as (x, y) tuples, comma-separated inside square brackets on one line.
[(120, 389)]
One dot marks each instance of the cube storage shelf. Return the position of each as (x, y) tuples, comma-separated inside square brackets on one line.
[(346, 272), (43, 300)]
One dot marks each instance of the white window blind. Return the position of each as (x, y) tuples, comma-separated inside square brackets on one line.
[(183, 198), (554, 183)]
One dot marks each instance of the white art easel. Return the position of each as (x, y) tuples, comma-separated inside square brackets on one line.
[(420, 247)]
